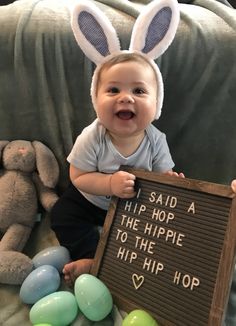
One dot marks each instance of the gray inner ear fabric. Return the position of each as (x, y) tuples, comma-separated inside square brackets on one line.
[(157, 29), (93, 32)]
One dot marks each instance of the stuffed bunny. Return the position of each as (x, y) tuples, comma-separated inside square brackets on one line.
[(28, 174)]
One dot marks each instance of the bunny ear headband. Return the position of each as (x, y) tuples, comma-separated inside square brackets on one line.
[(152, 33)]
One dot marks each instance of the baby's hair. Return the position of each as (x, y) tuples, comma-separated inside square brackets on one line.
[(125, 57)]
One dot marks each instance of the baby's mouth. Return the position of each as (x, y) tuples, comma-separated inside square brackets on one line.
[(125, 115)]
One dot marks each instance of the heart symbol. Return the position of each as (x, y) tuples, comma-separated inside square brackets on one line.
[(137, 280)]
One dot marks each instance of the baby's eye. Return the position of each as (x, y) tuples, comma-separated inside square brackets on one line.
[(139, 90), (113, 90)]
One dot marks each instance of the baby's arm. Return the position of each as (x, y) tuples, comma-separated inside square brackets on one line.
[(120, 184)]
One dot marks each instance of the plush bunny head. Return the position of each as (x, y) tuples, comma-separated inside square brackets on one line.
[(26, 156), (152, 33)]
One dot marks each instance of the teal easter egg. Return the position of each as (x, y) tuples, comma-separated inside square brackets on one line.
[(39, 283), (139, 318), (56, 256), (93, 297), (58, 309)]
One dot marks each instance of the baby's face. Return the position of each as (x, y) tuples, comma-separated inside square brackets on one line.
[(126, 98)]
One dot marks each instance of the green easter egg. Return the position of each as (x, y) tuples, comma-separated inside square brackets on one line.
[(57, 309), (93, 297), (42, 324), (139, 318)]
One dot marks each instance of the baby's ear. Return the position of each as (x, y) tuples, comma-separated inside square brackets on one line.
[(94, 32), (155, 28)]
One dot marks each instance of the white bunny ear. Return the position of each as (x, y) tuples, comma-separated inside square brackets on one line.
[(94, 32), (155, 28)]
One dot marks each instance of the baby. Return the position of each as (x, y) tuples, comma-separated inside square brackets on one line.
[(127, 94)]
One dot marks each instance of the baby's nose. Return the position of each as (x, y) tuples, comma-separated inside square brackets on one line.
[(126, 98)]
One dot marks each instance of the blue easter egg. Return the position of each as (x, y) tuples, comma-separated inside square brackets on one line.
[(56, 256), (40, 282), (57, 309), (93, 297)]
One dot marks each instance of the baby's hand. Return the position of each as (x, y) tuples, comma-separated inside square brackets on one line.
[(122, 184), (233, 185), (172, 173)]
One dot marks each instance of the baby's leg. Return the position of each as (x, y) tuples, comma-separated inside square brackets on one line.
[(74, 221), (76, 268)]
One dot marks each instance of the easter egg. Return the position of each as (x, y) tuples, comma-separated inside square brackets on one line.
[(139, 318), (42, 324), (93, 297), (40, 282), (57, 309), (56, 256)]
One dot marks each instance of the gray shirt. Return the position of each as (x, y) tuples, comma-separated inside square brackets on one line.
[(94, 151)]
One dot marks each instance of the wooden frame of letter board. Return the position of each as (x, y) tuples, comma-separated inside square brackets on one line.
[(209, 257)]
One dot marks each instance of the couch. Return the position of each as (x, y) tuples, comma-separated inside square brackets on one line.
[(44, 95)]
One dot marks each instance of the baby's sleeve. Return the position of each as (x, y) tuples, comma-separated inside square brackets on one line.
[(84, 152), (162, 159)]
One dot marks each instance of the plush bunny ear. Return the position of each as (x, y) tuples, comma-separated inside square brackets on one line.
[(3, 143), (46, 164), (155, 28), (94, 32)]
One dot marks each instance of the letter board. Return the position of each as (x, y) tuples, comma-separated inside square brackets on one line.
[(170, 250)]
